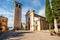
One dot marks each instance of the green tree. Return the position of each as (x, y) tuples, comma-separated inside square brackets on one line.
[(47, 10), (48, 13), (56, 12), (56, 8)]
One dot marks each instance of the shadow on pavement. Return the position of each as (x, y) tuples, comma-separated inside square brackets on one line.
[(12, 34)]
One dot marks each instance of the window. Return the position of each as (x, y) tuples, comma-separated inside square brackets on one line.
[(19, 6), (0, 28), (16, 5)]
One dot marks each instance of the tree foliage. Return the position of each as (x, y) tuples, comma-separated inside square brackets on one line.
[(56, 9), (48, 12), (53, 12)]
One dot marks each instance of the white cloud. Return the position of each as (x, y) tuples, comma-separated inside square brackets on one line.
[(9, 15), (5, 12), (24, 10), (36, 2), (42, 12)]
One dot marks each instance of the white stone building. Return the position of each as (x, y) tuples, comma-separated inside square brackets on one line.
[(35, 22)]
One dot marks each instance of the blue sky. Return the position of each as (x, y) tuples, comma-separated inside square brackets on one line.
[(7, 9)]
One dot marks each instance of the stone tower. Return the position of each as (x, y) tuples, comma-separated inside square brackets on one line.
[(17, 15)]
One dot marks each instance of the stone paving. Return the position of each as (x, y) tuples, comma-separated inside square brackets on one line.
[(32, 36)]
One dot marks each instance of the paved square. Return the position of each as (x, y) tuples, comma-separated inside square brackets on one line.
[(26, 35)]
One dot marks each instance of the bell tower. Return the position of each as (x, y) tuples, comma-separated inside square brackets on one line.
[(17, 15)]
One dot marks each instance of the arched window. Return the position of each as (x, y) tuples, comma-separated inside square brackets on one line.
[(19, 6), (16, 5)]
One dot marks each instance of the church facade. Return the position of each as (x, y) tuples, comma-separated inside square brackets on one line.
[(35, 22)]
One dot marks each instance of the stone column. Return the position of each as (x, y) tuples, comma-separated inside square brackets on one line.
[(31, 20), (38, 27)]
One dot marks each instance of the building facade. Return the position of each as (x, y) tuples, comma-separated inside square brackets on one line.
[(17, 15), (35, 22), (3, 23)]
